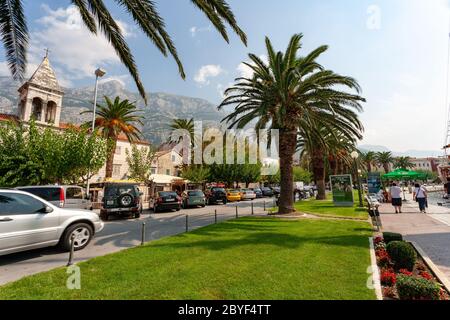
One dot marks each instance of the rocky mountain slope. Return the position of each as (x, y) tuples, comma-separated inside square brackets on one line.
[(162, 108)]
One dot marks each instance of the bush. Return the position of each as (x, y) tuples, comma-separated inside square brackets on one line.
[(391, 236), (388, 278), (402, 254), (383, 258), (412, 288)]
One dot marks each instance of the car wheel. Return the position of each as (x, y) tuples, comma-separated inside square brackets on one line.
[(83, 235), (137, 215)]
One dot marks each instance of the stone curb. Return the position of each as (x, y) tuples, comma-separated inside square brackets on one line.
[(438, 273), (375, 271)]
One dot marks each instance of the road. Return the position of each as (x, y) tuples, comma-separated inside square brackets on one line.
[(122, 234)]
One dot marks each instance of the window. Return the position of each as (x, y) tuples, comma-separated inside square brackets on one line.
[(50, 115), (118, 150), (48, 194), (173, 158), (153, 170), (15, 204), (168, 172), (116, 169), (37, 109), (74, 193)]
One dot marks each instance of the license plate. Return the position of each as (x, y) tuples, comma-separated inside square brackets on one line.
[(170, 200), (110, 203)]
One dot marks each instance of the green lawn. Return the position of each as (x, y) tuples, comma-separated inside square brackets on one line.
[(326, 208), (249, 258)]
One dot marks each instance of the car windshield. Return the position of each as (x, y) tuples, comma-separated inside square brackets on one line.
[(233, 191), (117, 190), (195, 194), (49, 194), (218, 189), (167, 194)]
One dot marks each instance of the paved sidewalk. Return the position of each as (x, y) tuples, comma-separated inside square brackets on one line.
[(430, 231)]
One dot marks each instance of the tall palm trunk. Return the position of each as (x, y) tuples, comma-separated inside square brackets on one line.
[(288, 143), (369, 167), (386, 167), (110, 159), (319, 173)]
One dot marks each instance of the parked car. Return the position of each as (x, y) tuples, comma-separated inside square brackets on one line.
[(71, 197), (267, 192), (215, 195), (276, 191), (30, 222), (192, 198), (258, 192), (122, 199), (165, 200), (233, 195), (248, 194)]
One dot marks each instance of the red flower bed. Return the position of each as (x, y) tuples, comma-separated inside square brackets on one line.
[(388, 278), (405, 284)]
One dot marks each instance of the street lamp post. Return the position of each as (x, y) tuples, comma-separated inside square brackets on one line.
[(355, 156), (98, 74)]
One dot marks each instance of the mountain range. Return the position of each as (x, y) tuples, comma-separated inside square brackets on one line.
[(409, 153), (161, 109)]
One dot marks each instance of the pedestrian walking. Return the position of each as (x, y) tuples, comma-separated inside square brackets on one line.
[(420, 195), (396, 197)]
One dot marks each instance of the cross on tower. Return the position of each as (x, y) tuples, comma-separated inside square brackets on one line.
[(47, 51)]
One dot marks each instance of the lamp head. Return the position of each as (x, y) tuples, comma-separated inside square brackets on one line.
[(354, 155), (100, 72)]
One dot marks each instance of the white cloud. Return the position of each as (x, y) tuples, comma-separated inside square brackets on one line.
[(206, 72), (196, 30), (4, 70), (221, 89), (75, 51), (122, 79), (245, 71)]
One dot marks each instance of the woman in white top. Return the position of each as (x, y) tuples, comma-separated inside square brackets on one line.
[(420, 195), (396, 197)]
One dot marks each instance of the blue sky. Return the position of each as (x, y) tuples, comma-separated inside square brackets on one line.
[(397, 49)]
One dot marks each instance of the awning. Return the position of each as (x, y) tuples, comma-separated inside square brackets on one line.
[(166, 179)]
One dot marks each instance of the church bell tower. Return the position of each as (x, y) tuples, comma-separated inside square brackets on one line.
[(41, 96)]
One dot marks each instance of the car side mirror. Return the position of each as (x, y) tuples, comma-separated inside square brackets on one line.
[(46, 210)]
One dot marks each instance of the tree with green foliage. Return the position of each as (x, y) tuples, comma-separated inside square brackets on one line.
[(302, 175), (196, 174), (30, 155), (384, 159), (403, 163), (282, 94), (96, 16), (369, 160), (118, 117), (140, 163)]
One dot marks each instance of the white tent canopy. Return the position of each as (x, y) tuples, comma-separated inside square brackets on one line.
[(166, 179)]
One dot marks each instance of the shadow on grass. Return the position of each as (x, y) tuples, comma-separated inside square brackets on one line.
[(264, 235)]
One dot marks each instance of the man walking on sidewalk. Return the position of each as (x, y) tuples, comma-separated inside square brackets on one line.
[(396, 197)]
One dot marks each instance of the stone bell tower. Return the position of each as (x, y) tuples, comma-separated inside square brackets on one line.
[(41, 96)]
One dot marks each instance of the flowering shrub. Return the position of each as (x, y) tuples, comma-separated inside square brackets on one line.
[(420, 266), (383, 258), (378, 240), (388, 278), (406, 272), (389, 292), (426, 275), (416, 288)]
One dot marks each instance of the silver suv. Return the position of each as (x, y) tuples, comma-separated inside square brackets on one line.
[(29, 222), (70, 197)]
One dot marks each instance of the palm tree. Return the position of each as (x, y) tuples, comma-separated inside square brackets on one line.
[(96, 16), (368, 159), (186, 125), (403, 163), (282, 94), (115, 118), (384, 159), (326, 141)]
